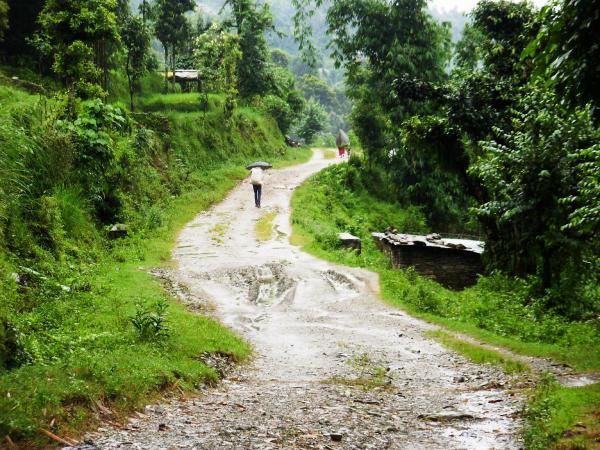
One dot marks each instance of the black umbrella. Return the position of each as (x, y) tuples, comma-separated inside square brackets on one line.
[(261, 164)]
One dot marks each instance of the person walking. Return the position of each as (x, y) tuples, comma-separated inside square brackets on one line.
[(256, 178), (342, 142)]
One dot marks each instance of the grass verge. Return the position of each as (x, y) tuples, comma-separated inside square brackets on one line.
[(563, 418), (478, 354)]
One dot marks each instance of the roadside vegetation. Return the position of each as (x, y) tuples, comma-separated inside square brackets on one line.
[(479, 354), (499, 310), (80, 311), (93, 140)]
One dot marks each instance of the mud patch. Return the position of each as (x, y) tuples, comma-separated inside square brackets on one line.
[(268, 284), (338, 281), (223, 363), (182, 292)]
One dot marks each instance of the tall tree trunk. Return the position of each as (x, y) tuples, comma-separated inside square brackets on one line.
[(130, 81), (173, 57), (547, 269), (166, 68)]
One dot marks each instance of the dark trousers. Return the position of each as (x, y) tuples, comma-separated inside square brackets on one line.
[(257, 191)]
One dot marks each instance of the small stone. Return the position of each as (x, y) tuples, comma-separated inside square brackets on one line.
[(118, 230), (336, 437), (162, 427)]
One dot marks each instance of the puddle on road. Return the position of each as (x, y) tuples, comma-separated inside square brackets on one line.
[(573, 381), (266, 285), (338, 281)]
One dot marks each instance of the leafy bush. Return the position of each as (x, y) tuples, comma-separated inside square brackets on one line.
[(151, 322), (279, 110)]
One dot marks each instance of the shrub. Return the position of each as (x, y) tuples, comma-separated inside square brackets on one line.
[(151, 322)]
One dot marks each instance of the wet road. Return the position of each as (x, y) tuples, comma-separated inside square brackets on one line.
[(336, 368)]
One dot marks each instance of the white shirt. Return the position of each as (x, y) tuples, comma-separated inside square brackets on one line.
[(257, 175)]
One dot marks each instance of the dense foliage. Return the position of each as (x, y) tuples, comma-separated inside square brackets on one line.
[(542, 213), (496, 135), (564, 51), (479, 137)]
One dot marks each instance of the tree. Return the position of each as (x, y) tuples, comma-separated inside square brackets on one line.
[(507, 29), (379, 42), (468, 54), (489, 72), (217, 55), (313, 121), (280, 58), (251, 22), (314, 87), (542, 216), (172, 28), (566, 51), (3, 18), (136, 40), (79, 33)]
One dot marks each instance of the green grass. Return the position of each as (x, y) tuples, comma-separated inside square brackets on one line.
[(369, 375), (330, 153), (563, 418), (479, 354), (264, 227), (188, 102)]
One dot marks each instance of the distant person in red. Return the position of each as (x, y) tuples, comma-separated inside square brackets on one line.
[(342, 142)]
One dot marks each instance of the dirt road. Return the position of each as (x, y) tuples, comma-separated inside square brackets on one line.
[(336, 368)]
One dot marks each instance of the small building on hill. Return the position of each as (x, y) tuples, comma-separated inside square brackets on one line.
[(187, 78)]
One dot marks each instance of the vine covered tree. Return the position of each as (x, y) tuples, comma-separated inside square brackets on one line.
[(136, 40), (78, 34), (172, 28)]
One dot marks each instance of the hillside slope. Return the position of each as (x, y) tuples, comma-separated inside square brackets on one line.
[(83, 325)]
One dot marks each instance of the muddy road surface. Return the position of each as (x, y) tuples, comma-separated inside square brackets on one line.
[(335, 367)]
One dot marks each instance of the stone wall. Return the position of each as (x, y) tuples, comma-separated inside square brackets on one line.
[(451, 267)]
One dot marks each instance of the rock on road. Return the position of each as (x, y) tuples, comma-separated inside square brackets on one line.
[(335, 367)]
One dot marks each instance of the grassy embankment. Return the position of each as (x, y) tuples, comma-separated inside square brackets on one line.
[(72, 349), (496, 311)]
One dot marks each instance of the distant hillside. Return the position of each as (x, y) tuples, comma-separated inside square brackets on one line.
[(283, 13)]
